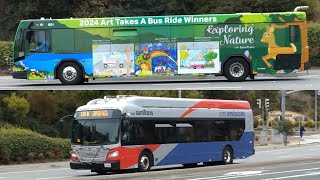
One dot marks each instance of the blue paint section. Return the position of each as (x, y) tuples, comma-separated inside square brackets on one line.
[(48, 62), (185, 153)]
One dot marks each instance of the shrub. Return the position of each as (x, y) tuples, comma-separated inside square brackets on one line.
[(309, 124), (256, 122), (5, 51), (19, 144), (314, 43)]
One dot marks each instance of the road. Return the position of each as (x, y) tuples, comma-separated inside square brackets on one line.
[(301, 81), (288, 163)]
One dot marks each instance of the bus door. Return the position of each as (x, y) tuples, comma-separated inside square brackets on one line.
[(290, 57)]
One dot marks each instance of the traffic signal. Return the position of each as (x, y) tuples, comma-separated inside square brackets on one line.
[(259, 103), (266, 103)]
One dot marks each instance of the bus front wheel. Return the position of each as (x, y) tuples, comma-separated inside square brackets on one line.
[(145, 161), (227, 155), (70, 73), (236, 69)]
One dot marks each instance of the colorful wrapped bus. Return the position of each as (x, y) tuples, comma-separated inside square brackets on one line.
[(236, 46), (113, 134)]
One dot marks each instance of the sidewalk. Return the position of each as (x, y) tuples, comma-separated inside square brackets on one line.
[(293, 141)]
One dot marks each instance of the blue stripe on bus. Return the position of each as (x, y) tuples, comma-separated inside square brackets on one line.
[(48, 62), (209, 151)]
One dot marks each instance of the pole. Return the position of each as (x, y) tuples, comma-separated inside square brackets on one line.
[(179, 93), (316, 110), (283, 112), (299, 129), (283, 105)]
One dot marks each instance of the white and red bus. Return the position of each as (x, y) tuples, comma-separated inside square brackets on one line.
[(142, 132)]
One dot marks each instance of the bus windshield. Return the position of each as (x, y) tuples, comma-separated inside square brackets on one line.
[(95, 131), (18, 46)]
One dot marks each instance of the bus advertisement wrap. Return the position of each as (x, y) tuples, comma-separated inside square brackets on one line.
[(234, 45)]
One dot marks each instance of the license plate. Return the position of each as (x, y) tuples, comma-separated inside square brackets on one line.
[(107, 165)]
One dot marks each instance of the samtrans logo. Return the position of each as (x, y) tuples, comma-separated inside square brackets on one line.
[(144, 113)]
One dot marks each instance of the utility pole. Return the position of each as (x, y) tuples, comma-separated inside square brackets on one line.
[(179, 93), (316, 110)]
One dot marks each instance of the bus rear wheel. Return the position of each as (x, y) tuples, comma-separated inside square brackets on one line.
[(227, 155), (145, 162), (236, 69), (70, 73)]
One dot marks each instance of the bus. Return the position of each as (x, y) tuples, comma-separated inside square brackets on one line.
[(236, 46), (114, 134)]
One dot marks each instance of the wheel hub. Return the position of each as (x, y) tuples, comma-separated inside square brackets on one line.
[(236, 69), (144, 162), (69, 73)]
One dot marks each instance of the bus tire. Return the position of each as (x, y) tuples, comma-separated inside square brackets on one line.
[(236, 69), (145, 161), (190, 165), (70, 73), (227, 155)]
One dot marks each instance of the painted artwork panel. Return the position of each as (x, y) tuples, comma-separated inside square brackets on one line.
[(156, 59), (204, 58), (113, 60)]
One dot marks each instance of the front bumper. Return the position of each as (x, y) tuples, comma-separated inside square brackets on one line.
[(19, 75), (109, 166)]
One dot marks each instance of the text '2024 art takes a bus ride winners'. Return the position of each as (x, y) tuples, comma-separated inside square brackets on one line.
[(236, 46)]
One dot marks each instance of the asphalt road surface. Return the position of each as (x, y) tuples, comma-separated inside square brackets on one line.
[(301, 81), (291, 163)]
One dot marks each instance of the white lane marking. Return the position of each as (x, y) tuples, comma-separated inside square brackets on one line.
[(174, 84), (60, 177), (286, 156), (277, 153), (262, 174), (213, 87), (32, 171), (313, 149), (295, 176)]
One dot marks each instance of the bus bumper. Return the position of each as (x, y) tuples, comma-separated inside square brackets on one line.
[(19, 75), (109, 166)]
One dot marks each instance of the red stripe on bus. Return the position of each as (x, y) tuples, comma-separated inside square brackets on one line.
[(219, 104)]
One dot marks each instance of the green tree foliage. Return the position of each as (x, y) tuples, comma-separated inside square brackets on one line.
[(314, 43), (43, 104), (17, 108)]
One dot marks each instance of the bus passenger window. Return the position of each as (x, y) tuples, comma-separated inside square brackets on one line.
[(294, 33), (39, 41)]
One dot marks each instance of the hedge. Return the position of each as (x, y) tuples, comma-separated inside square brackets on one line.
[(19, 145), (5, 51), (314, 43)]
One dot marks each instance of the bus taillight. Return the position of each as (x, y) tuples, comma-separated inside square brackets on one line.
[(74, 156)]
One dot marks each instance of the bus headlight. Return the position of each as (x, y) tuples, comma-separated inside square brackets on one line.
[(114, 154)]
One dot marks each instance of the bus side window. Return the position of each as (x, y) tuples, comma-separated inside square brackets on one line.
[(39, 41), (294, 33)]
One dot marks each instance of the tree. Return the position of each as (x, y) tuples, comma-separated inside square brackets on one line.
[(17, 108), (43, 105), (284, 127)]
